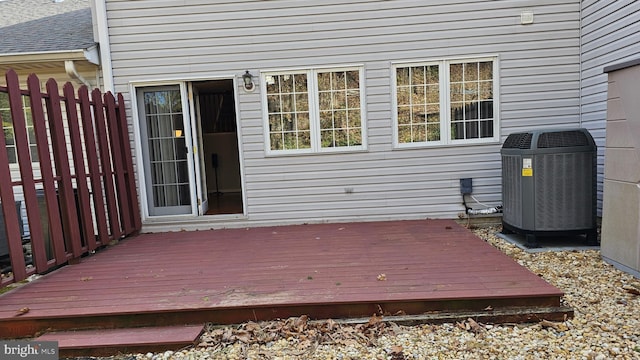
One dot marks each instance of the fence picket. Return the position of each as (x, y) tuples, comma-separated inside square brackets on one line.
[(116, 151), (82, 188), (12, 230), (130, 180), (51, 229), (66, 199), (94, 165), (105, 160), (26, 171)]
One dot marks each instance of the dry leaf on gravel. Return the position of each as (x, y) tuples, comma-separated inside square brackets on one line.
[(471, 325), (553, 325), (632, 289)]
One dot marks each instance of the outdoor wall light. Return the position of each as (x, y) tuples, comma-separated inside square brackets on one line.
[(247, 78)]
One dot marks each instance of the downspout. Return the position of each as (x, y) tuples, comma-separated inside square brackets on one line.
[(580, 67), (70, 68), (105, 47)]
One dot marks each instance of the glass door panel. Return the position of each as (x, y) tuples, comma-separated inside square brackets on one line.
[(165, 147)]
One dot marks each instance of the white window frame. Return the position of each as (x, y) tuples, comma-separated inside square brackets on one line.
[(314, 111), (26, 110), (445, 102)]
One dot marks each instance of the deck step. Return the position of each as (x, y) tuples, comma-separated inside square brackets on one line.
[(107, 342)]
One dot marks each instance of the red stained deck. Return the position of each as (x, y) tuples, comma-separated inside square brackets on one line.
[(235, 275)]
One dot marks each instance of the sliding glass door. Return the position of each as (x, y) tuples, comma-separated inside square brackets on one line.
[(168, 164)]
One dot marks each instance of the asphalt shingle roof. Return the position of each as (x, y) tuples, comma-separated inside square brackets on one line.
[(46, 27), (18, 11)]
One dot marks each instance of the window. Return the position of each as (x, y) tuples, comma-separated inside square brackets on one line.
[(314, 110), (7, 128), (446, 102)]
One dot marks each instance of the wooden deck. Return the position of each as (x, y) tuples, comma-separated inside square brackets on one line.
[(235, 275)]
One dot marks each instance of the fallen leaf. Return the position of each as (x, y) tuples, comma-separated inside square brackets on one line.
[(382, 277), (631, 289), (22, 311), (374, 319), (448, 227), (471, 325), (86, 278), (252, 326), (243, 336), (557, 326), (300, 323), (475, 327)]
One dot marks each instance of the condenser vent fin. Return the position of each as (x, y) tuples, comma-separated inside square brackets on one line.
[(518, 141), (562, 139)]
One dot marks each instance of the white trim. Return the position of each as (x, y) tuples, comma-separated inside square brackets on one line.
[(445, 113), (302, 69), (152, 81), (394, 104), (314, 120), (189, 143), (45, 56), (243, 187), (105, 46), (452, 59), (139, 160)]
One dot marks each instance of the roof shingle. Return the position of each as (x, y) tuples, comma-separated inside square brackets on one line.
[(40, 32)]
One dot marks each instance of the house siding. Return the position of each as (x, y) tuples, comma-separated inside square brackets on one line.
[(539, 86), (608, 36)]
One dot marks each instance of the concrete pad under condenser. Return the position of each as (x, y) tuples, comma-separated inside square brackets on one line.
[(549, 243)]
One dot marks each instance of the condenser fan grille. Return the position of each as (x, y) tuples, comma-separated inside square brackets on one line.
[(518, 141), (562, 139)]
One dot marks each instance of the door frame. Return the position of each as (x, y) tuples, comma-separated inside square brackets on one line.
[(137, 137), (189, 146), (195, 121)]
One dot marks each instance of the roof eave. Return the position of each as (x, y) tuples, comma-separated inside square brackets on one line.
[(90, 54)]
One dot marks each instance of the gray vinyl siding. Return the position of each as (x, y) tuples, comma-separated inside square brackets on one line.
[(539, 86), (609, 35)]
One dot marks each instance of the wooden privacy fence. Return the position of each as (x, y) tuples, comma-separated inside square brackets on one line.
[(78, 193)]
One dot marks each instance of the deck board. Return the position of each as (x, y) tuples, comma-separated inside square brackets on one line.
[(296, 267), (112, 341)]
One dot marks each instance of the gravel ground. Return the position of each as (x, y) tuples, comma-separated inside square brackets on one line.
[(606, 325)]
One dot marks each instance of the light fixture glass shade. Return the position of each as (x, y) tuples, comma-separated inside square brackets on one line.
[(247, 78)]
